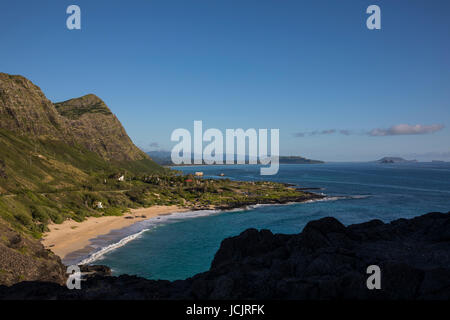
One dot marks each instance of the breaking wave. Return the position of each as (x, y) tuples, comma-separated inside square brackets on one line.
[(336, 198), (144, 226), (151, 223), (98, 254)]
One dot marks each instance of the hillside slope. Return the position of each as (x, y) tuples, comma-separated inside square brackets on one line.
[(25, 110), (56, 160), (85, 121), (23, 258), (95, 127)]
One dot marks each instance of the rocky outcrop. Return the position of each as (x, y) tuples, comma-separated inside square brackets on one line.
[(325, 261), (90, 271), (23, 258)]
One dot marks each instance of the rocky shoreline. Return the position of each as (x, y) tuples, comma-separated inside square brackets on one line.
[(327, 260), (306, 196)]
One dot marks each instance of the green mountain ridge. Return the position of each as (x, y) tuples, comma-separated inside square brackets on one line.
[(57, 159), (74, 108), (94, 126), (85, 121), (25, 110)]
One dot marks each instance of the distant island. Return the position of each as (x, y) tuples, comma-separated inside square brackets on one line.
[(164, 158), (298, 160), (394, 160)]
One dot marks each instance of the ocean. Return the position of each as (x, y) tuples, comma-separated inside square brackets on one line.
[(181, 245)]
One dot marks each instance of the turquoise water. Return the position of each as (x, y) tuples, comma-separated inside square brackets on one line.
[(180, 246)]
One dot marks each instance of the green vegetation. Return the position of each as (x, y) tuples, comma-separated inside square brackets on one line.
[(45, 181), (73, 110), (50, 181), (141, 166), (66, 161)]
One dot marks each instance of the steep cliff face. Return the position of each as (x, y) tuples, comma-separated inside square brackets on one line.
[(49, 147), (85, 121), (95, 127), (25, 110)]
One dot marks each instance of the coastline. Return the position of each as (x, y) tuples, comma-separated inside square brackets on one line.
[(286, 263), (71, 236)]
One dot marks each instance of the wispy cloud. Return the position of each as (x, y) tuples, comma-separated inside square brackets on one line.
[(345, 132), (315, 133), (328, 131), (154, 145), (399, 129), (405, 129), (429, 156)]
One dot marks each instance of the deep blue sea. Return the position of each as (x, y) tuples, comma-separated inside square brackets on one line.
[(181, 245)]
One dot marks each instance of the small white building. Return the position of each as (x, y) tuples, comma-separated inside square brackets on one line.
[(121, 178), (98, 205)]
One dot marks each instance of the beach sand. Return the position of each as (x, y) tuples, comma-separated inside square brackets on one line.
[(71, 236)]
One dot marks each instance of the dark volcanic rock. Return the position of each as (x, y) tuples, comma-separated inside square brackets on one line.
[(95, 270), (326, 261)]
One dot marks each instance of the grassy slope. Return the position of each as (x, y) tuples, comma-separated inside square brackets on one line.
[(43, 181)]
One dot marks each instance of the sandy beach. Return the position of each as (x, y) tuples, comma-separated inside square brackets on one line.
[(71, 236)]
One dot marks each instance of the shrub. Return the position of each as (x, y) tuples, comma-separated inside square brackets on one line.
[(23, 218), (39, 213)]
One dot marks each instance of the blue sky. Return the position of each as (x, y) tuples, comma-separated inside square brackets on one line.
[(309, 68)]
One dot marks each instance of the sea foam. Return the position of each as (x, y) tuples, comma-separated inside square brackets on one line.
[(147, 225), (144, 226)]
